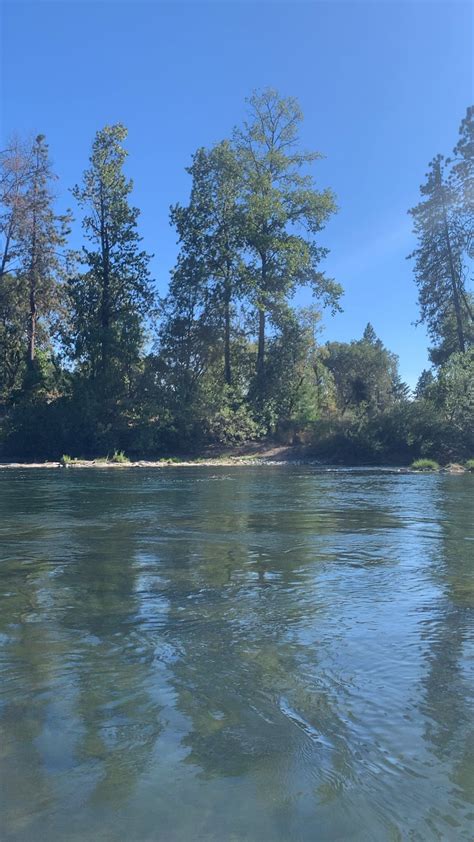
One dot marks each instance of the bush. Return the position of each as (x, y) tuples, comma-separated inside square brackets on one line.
[(66, 460), (469, 465), (119, 456), (424, 465), (231, 422)]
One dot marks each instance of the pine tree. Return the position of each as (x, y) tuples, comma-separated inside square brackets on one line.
[(40, 237), (439, 256), (112, 299)]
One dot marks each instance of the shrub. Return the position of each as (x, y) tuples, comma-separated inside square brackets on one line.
[(424, 465), (66, 460), (469, 465), (231, 422), (119, 456)]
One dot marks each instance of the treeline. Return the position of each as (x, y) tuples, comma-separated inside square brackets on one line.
[(92, 360)]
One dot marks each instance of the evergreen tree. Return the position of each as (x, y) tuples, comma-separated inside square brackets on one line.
[(37, 237), (462, 178), (111, 300), (425, 384), (439, 258), (13, 309), (40, 238), (210, 236)]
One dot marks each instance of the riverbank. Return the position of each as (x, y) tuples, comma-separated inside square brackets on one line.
[(250, 455)]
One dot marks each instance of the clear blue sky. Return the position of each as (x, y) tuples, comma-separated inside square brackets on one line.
[(383, 87)]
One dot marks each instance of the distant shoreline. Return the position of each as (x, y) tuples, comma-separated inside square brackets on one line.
[(219, 462)]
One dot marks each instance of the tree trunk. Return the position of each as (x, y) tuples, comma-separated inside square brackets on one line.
[(32, 316), (261, 329), (32, 319), (3, 265), (227, 366), (261, 342), (105, 302)]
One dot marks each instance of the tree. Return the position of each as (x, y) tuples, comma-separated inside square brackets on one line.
[(40, 236), (425, 385), (365, 374), (296, 389), (188, 341), (439, 258), (456, 390), (283, 212), (13, 307), (210, 235), (15, 171), (111, 300), (448, 341), (462, 177)]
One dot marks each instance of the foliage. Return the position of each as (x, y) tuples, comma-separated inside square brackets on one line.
[(211, 230), (231, 421), (456, 389), (424, 465), (110, 301), (91, 363), (119, 457), (469, 465), (66, 460), (365, 374), (279, 202), (444, 226)]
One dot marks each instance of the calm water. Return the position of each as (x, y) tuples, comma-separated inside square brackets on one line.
[(259, 654)]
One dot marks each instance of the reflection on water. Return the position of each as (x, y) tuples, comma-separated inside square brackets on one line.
[(264, 654)]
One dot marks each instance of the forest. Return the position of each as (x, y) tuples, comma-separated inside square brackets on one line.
[(93, 361)]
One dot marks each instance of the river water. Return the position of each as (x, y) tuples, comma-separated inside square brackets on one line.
[(236, 654)]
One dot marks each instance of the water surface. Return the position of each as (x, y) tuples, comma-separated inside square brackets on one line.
[(235, 655)]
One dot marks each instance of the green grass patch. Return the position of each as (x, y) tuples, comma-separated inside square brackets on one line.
[(66, 460), (424, 465), (119, 456)]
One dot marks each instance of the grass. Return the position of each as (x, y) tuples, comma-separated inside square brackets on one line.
[(469, 465), (119, 457), (66, 460), (424, 465)]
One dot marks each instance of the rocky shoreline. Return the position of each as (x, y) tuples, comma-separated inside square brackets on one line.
[(217, 462)]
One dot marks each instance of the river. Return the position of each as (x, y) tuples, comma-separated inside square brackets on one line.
[(246, 654)]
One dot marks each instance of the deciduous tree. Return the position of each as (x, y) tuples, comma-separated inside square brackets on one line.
[(283, 212)]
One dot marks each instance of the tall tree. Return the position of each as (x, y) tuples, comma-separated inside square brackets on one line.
[(283, 212), (13, 308), (111, 300), (462, 179), (210, 236), (439, 269), (40, 236), (15, 170), (16, 164)]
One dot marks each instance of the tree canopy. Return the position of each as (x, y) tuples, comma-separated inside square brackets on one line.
[(92, 360)]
